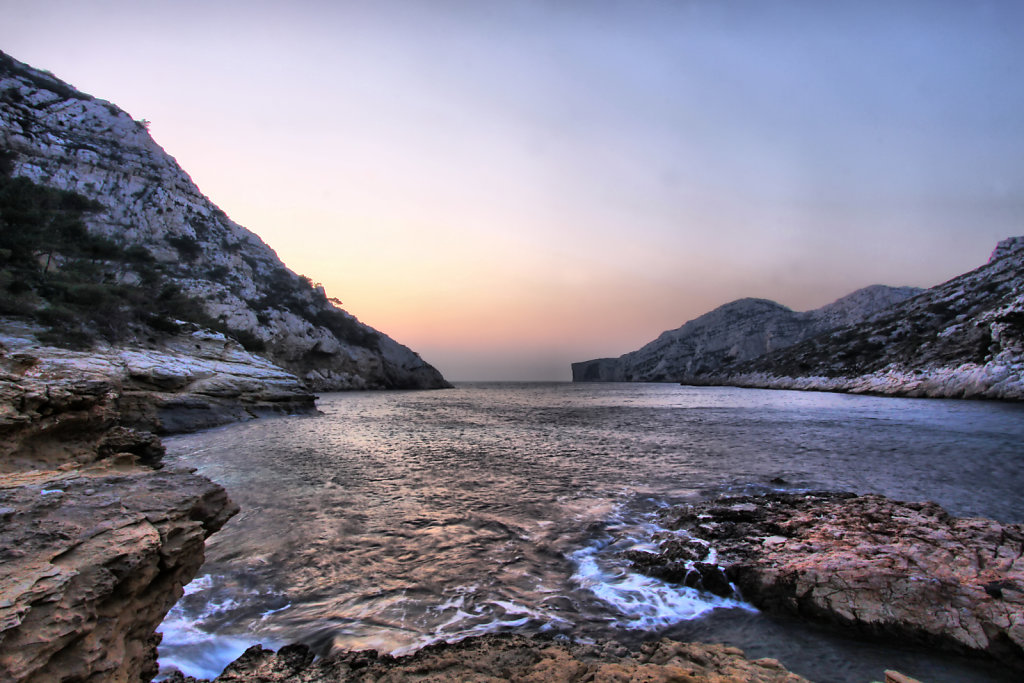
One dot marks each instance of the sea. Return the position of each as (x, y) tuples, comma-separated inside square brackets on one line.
[(393, 520)]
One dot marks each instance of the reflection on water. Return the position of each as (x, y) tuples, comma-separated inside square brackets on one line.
[(399, 519)]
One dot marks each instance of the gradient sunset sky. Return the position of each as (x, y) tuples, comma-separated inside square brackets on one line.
[(507, 187)]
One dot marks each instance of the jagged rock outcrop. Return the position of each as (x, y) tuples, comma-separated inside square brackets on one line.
[(736, 332), (95, 543), (961, 339), (91, 559), (163, 234), (509, 658), (908, 571)]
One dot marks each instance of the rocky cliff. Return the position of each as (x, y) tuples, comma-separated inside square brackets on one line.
[(91, 559), (961, 339), (154, 242), (130, 306), (736, 332)]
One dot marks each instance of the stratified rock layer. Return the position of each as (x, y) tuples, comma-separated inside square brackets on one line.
[(511, 658), (91, 559), (881, 567), (60, 406)]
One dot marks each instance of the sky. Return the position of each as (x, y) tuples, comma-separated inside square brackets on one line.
[(508, 187)]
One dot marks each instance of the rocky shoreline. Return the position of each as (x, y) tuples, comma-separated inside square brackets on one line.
[(992, 381), (91, 560), (509, 657), (96, 539), (867, 564), (184, 320)]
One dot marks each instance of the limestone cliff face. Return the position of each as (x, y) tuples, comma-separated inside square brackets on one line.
[(130, 306), (62, 138), (961, 339), (736, 332)]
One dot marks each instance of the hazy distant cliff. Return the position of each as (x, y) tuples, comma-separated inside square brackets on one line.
[(962, 338), (736, 332), (150, 230)]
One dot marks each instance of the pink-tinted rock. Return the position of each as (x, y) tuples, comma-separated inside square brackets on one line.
[(881, 567)]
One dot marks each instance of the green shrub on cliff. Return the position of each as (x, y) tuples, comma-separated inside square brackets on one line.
[(57, 273)]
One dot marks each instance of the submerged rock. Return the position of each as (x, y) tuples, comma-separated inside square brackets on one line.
[(510, 658), (874, 565)]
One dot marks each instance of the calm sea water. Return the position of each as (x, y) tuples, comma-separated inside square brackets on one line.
[(399, 519)]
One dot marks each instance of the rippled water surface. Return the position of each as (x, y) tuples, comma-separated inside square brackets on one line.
[(402, 518)]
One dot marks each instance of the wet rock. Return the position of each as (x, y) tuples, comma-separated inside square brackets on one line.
[(709, 577), (511, 658), (874, 565), (91, 559)]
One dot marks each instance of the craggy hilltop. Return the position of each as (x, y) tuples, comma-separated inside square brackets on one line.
[(107, 239)]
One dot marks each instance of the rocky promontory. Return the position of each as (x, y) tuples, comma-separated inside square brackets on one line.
[(905, 571), (91, 560), (961, 339)]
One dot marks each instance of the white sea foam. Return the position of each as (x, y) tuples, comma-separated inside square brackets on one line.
[(198, 653), (643, 602), (194, 651)]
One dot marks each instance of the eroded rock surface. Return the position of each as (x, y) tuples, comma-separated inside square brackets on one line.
[(91, 559), (510, 658), (881, 567)]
